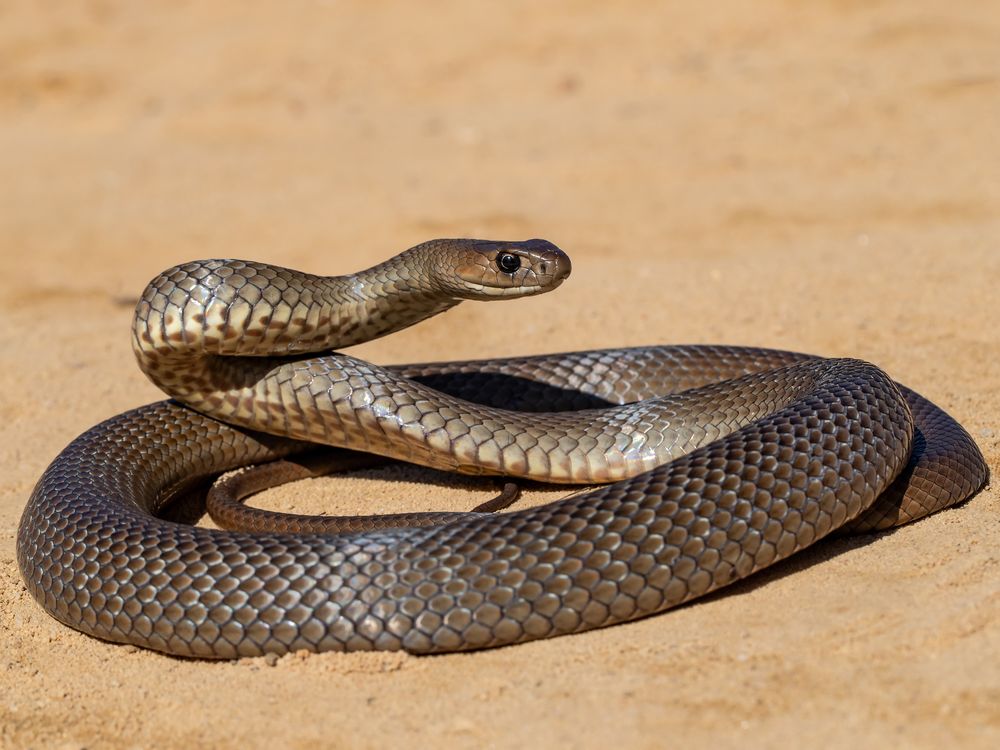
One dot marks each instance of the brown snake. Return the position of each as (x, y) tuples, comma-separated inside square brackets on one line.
[(722, 460)]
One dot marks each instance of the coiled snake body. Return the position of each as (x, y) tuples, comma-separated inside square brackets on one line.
[(721, 461)]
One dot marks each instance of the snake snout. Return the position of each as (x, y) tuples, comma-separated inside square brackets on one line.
[(552, 266)]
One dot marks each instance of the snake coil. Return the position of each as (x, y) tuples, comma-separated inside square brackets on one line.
[(719, 460)]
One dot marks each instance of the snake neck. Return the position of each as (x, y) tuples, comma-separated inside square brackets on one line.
[(388, 297), (196, 323)]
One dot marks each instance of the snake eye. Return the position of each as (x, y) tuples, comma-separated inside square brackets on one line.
[(508, 262)]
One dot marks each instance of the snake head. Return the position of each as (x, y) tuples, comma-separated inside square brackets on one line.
[(486, 269)]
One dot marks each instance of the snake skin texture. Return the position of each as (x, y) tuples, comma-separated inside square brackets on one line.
[(723, 460)]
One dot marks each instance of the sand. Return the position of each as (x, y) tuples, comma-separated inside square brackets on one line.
[(823, 177)]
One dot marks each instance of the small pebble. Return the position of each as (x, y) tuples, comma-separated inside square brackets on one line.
[(986, 432), (271, 659)]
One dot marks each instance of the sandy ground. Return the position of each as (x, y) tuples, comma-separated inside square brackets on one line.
[(819, 176)]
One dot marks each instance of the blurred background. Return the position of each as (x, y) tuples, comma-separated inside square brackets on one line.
[(638, 136)]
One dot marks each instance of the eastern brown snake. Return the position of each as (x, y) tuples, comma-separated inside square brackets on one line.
[(722, 460)]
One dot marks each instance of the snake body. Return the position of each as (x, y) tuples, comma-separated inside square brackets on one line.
[(722, 460)]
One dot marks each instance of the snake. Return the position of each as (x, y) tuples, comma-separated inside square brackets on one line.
[(703, 465)]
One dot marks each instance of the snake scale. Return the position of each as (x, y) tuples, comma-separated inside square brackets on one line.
[(715, 462)]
